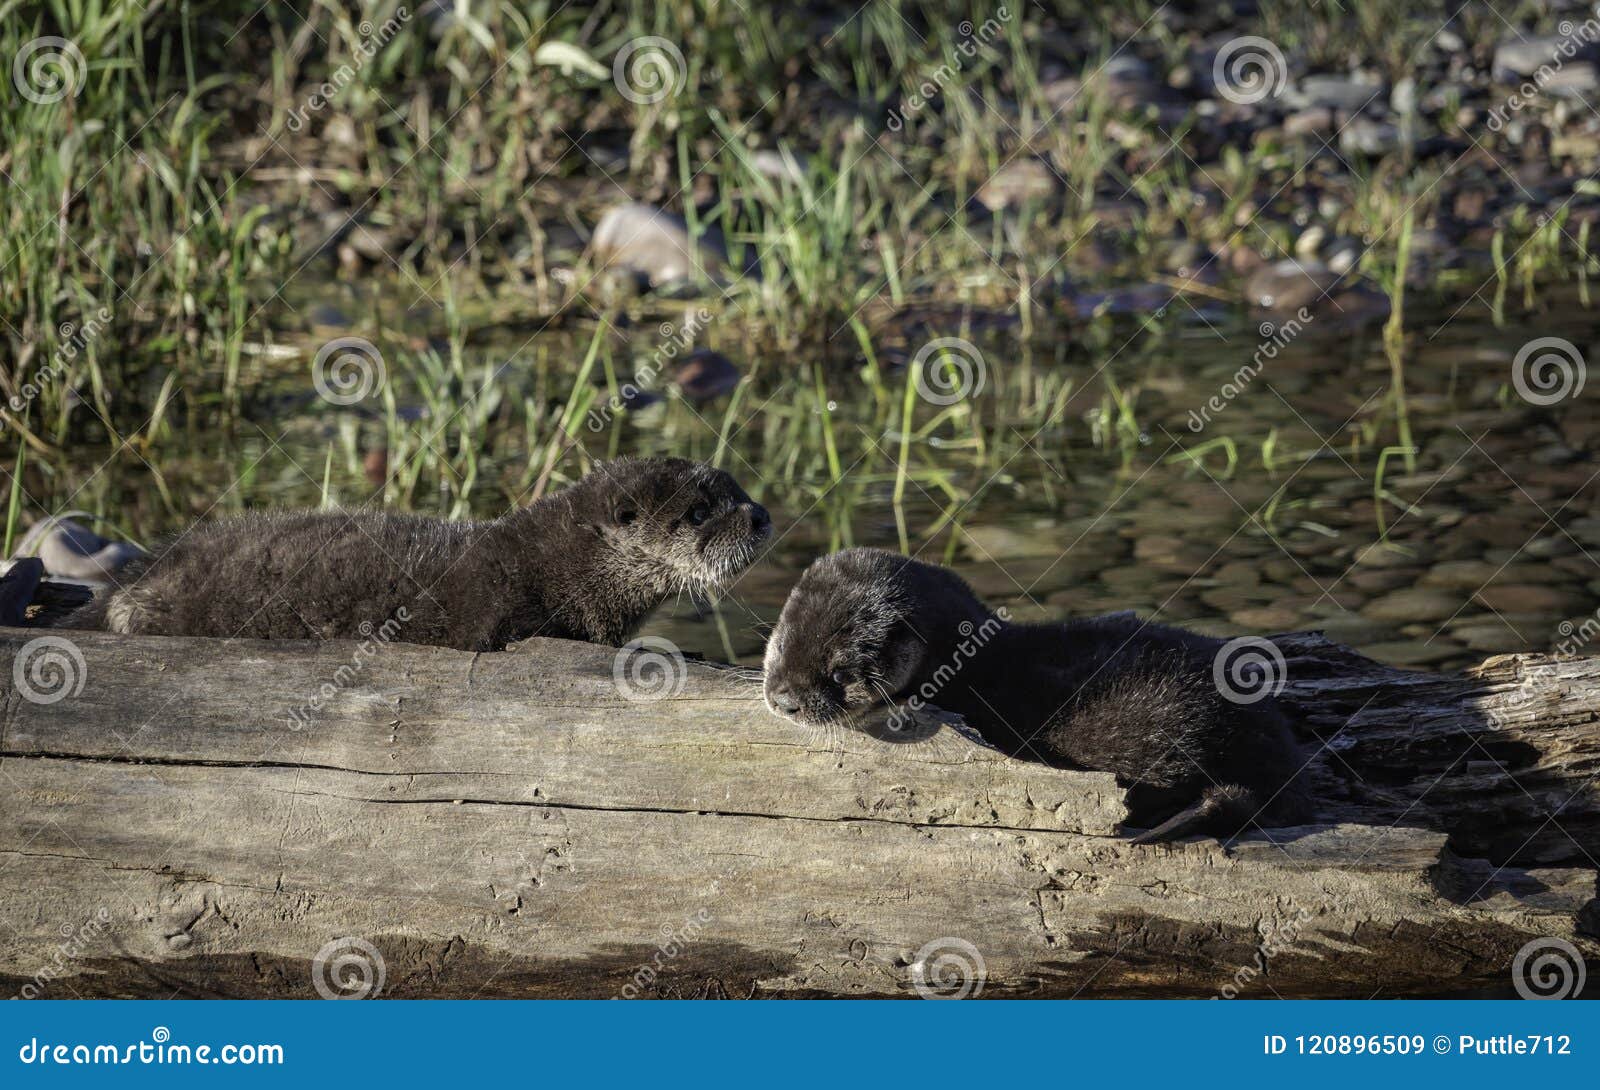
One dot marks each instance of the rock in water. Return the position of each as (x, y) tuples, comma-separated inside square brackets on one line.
[(705, 375), (70, 550), (655, 244), (1288, 286)]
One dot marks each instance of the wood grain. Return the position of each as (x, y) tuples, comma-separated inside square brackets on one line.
[(204, 817)]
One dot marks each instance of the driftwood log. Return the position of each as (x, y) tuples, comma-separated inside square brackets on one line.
[(249, 819)]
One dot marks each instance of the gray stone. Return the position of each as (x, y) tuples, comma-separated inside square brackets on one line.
[(1521, 55), (1312, 121), (1490, 636), (1576, 81), (1001, 543), (1417, 604), (1335, 93), (1019, 182), (1266, 618), (1364, 136), (1414, 652), (1519, 597), (70, 550), (1467, 575)]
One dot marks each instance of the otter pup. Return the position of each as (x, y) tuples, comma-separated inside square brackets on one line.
[(865, 627), (587, 563)]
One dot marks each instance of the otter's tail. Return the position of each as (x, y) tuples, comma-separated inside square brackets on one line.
[(1230, 804), (1226, 810)]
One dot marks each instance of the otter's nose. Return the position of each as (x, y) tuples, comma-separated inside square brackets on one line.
[(760, 521), (784, 700)]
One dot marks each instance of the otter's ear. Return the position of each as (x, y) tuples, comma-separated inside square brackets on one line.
[(623, 511), (901, 633), (900, 657)]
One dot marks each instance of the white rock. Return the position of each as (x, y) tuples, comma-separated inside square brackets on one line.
[(656, 244)]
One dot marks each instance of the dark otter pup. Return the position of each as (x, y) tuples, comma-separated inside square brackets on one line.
[(1114, 694), (587, 563)]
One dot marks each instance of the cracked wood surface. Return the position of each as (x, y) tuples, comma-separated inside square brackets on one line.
[(509, 824)]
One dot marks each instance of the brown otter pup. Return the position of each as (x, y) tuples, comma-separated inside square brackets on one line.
[(587, 563), (866, 628)]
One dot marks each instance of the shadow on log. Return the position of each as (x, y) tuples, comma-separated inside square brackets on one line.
[(250, 819)]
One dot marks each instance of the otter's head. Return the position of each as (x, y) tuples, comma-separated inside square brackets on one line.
[(688, 525), (859, 630)]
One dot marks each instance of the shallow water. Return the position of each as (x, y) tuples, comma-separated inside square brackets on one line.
[(1481, 547)]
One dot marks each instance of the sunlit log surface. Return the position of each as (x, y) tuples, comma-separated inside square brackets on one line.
[(248, 819)]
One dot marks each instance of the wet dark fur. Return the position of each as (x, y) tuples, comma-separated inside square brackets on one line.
[(587, 563), (1112, 694)]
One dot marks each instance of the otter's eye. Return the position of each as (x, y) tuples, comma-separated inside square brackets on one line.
[(698, 514), (841, 677)]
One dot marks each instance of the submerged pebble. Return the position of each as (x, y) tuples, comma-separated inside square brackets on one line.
[(1291, 285), (1418, 604), (705, 375)]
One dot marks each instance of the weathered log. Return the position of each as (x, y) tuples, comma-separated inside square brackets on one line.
[(208, 817)]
